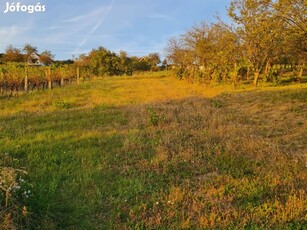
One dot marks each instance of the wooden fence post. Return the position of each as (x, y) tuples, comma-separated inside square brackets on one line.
[(62, 77), (301, 70), (49, 78), (78, 75), (26, 81)]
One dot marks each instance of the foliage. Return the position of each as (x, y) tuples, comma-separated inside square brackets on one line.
[(28, 49), (12, 55), (46, 57)]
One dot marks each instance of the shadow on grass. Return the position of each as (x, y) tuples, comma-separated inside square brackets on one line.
[(293, 80)]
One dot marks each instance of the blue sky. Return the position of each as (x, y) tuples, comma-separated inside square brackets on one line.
[(71, 27)]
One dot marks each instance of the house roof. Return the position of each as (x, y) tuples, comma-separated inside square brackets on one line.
[(34, 59), (34, 56)]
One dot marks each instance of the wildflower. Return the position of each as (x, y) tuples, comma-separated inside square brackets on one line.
[(15, 187)]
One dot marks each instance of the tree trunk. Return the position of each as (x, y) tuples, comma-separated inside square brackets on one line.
[(267, 68), (26, 82), (48, 72), (301, 71), (248, 77), (256, 77), (78, 76)]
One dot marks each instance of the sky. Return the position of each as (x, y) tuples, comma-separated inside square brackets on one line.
[(69, 28)]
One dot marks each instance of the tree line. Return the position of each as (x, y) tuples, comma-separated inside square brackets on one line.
[(13, 54), (102, 61), (99, 62), (262, 34)]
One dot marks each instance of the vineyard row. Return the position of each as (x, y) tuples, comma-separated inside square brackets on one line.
[(20, 78)]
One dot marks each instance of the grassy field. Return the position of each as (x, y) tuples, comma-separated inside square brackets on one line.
[(153, 152)]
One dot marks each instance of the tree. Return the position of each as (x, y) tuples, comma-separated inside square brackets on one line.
[(264, 32), (294, 15), (46, 57), (12, 55), (209, 51), (153, 61), (125, 65), (104, 62), (29, 49), (293, 12), (164, 65), (140, 63), (259, 31), (215, 48), (177, 53), (83, 60)]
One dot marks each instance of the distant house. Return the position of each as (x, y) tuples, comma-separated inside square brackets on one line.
[(35, 60)]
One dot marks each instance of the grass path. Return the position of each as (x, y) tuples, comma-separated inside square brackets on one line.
[(155, 152)]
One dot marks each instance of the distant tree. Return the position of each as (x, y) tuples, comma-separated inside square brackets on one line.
[(153, 61), (177, 52), (46, 57), (164, 64), (140, 64), (123, 54), (126, 66), (29, 49), (83, 60), (63, 62), (12, 55), (103, 62)]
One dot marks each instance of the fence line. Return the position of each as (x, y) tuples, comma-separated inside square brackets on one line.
[(16, 78)]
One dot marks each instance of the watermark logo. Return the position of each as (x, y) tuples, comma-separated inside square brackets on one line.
[(19, 7)]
